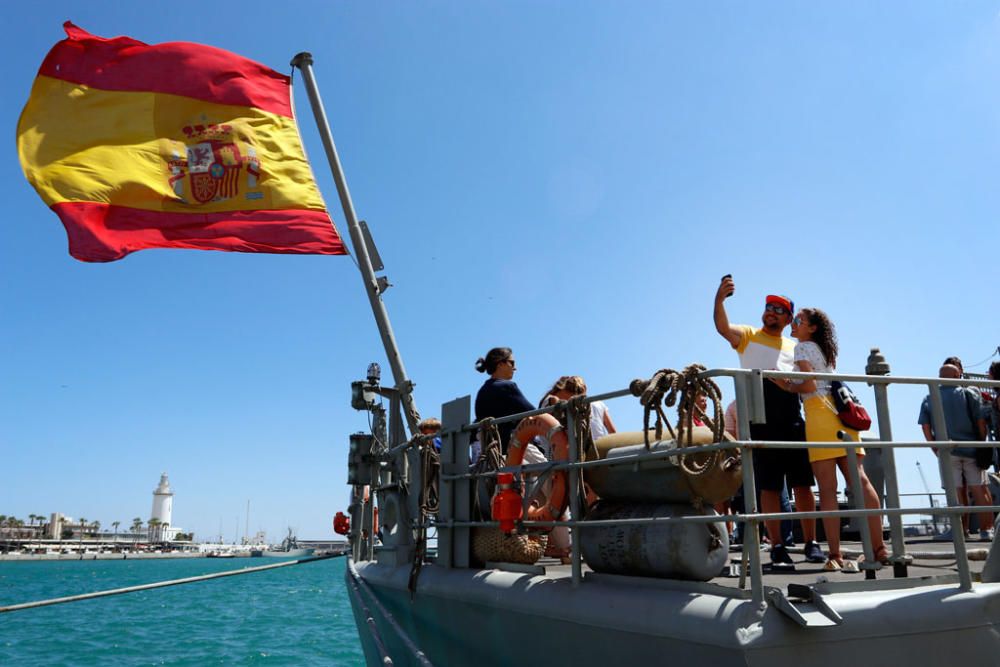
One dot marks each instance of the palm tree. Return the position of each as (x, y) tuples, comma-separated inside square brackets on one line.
[(83, 522), (153, 524), (136, 527), (116, 524), (97, 529)]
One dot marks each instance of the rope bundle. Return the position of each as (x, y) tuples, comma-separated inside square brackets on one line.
[(664, 388), (490, 460)]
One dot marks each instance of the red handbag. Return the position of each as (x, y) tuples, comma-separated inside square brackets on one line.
[(849, 409)]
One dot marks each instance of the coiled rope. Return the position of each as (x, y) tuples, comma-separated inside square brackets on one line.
[(664, 387), (429, 501), (490, 460)]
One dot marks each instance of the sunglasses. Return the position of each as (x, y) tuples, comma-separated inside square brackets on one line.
[(797, 321), (512, 363), (780, 310)]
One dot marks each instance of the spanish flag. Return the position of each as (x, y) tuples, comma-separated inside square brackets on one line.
[(173, 145)]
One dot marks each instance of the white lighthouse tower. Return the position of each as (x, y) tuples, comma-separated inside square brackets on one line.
[(163, 508)]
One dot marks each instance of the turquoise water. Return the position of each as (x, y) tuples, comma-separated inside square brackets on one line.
[(297, 615)]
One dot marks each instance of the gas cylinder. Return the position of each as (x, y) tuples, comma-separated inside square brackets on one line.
[(696, 551), (659, 481)]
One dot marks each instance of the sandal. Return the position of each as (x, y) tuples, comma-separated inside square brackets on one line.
[(882, 555), (850, 567), (832, 565)]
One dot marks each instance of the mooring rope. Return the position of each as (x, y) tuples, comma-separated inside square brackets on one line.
[(665, 387), (160, 584)]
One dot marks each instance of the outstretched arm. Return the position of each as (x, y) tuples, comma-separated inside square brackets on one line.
[(722, 325)]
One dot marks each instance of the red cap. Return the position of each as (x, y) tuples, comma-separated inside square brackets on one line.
[(781, 300)]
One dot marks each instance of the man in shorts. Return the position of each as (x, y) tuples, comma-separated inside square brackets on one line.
[(964, 421), (765, 348)]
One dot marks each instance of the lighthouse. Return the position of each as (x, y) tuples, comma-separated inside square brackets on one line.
[(163, 507)]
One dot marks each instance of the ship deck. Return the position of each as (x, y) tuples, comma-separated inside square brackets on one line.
[(931, 558)]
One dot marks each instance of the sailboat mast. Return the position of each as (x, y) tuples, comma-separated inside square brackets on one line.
[(304, 62)]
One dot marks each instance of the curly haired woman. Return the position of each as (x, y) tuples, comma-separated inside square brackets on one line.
[(816, 352)]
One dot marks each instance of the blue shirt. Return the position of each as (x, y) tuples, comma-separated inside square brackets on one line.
[(960, 406), (501, 398)]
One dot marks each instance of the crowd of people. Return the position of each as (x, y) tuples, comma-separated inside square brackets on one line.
[(969, 415)]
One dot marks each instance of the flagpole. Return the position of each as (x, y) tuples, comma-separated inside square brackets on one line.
[(304, 62)]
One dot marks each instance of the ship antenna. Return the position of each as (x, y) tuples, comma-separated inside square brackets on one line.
[(373, 286)]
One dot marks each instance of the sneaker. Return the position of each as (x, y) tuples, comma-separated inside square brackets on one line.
[(986, 535), (813, 553), (779, 556)]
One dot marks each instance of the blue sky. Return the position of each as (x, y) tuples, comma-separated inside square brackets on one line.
[(569, 179)]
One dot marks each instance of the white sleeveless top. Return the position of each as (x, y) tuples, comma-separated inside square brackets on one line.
[(597, 427), (809, 351)]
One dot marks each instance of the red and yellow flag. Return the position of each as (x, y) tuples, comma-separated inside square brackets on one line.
[(172, 145)]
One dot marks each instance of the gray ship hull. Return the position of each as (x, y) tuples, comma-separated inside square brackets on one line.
[(493, 617)]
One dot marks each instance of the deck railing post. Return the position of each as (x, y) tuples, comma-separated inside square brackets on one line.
[(877, 365), (944, 466), (858, 496), (750, 529), (574, 488), (455, 502)]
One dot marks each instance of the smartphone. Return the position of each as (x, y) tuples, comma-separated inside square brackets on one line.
[(729, 275)]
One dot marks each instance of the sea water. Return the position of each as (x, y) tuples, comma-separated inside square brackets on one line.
[(296, 615)]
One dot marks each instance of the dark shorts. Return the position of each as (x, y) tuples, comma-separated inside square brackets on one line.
[(772, 467)]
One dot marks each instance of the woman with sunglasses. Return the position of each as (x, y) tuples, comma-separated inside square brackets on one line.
[(569, 386), (500, 396), (816, 352)]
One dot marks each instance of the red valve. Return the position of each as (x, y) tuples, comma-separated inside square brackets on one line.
[(341, 524), (507, 503)]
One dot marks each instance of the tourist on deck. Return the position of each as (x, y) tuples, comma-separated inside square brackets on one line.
[(992, 413), (817, 352), (431, 426), (963, 418), (956, 362), (500, 396), (569, 386), (732, 423), (765, 348)]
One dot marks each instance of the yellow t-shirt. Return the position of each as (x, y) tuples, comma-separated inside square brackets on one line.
[(759, 349)]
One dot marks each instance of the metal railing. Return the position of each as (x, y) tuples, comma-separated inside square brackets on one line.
[(453, 522)]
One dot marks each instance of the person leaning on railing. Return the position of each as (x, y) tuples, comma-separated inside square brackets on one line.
[(963, 419), (816, 351)]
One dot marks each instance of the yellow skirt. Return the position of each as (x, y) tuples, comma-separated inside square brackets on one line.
[(822, 425)]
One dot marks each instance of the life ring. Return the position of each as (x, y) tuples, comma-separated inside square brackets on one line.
[(547, 427)]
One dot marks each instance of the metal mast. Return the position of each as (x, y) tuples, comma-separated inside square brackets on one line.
[(373, 287)]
